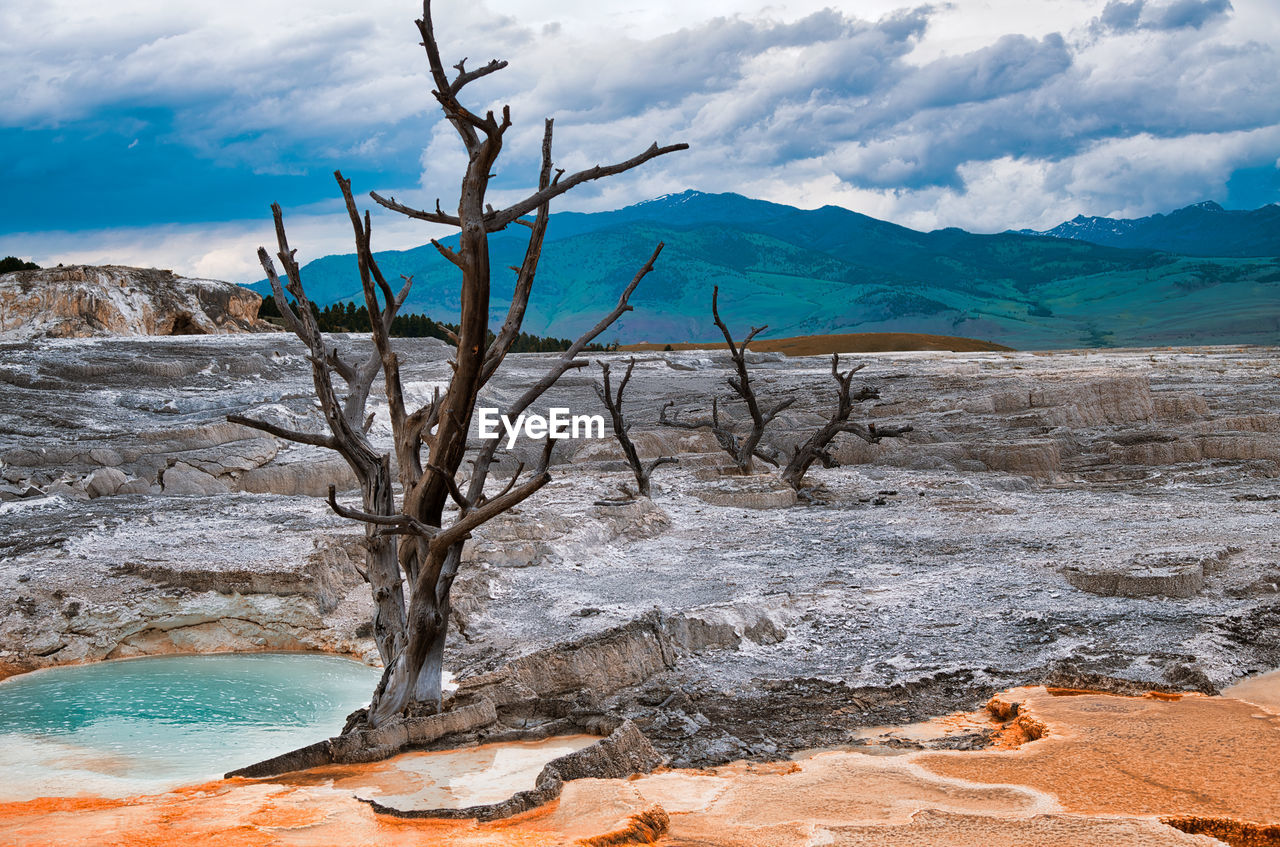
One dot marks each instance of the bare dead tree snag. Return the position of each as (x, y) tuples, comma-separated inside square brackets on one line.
[(415, 548), (815, 447), (742, 449), (425, 687), (613, 402), (347, 422)]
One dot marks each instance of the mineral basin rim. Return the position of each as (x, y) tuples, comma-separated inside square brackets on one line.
[(188, 654)]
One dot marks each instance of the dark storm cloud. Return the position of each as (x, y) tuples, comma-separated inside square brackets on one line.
[(1126, 15), (232, 109), (209, 121), (1013, 64), (775, 99), (612, 80), (845, 93)]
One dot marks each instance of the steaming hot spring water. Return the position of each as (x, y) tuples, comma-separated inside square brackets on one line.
[(140, 726)]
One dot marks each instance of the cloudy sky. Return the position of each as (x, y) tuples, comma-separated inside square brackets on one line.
[(158, 133)]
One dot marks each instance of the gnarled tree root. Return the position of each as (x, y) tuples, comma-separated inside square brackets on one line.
[(624, 752), (372, 745)]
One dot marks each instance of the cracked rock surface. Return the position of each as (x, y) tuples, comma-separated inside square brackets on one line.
[(1101, 513)]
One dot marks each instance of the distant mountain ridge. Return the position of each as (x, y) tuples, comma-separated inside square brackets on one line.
[(1201, 229), (831, 270)]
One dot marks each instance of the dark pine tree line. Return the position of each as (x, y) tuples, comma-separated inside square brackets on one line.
[(347, 317), (9, 264)]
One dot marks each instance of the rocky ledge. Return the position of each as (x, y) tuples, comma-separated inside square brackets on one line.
[(81, 301)]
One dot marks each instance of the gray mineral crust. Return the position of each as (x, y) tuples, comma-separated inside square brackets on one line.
[(1098, 514)]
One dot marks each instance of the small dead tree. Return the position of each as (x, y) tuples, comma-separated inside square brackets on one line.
[(415, 546), (613, 402), (742, 449), (815, 447)]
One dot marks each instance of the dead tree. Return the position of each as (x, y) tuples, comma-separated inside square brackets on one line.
[(815, 447), (348, 424), (613, 402), (427, 542), (742, 449)]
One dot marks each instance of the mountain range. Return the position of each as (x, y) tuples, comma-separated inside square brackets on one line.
[(1214, 278), (1203, 229)]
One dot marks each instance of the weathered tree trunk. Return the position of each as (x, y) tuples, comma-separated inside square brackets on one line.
[(429, 689), (417, 675), (383, 568)]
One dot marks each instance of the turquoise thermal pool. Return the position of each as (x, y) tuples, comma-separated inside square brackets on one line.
[(141, 725)]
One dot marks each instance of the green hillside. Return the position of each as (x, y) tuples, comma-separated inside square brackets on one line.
[(829, 270)]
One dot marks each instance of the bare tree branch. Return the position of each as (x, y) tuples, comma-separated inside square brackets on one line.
[(525, 273), (661, 460), (746, 448), (380, 317), (477, 517), (436, 217), (449, 254), (402, 521), (674, 421), (511, 483), (465, 121), (345, 419), (463, 503), (501, 219), (465, 76), (567, 360), (314, 439)]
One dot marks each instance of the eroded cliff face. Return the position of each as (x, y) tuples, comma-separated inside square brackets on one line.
[(83, 301)]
